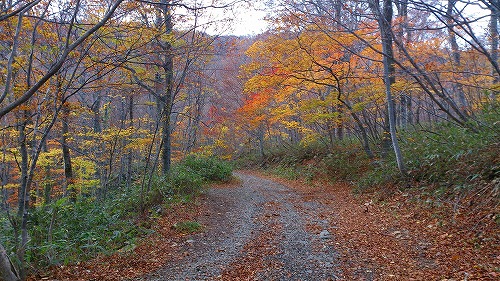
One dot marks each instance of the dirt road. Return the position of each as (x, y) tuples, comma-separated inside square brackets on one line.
[(259, 230)]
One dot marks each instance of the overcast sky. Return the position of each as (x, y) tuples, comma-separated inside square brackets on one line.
[(248, 18), (240, 19)]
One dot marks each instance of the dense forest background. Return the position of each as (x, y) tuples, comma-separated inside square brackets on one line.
[(106, 106)]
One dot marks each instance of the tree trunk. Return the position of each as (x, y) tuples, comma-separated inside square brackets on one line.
[(166, 98), (7, 269), (27, 172), (364, 136), (21, 251), (386, 133), (68, 168), (100, 172), (166, 149), (404, 36), (47, 188), (196, 103), (96, 110), (409, 112), (260, 134), (455, 54), (402, 110), (129, 156), (340, 124), (417, 114), (494, 43), (23, 194), (385, 24), (4, 172)]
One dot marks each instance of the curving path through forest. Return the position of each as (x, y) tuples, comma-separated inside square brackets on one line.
[(258, 230)]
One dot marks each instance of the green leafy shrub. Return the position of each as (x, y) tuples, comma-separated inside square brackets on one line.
[(450, 154), (295, 154), (379, 176), (208, 167), (345, 163), (289, 173), (446, 158), (64, 232), (183, 180), (188, 227)]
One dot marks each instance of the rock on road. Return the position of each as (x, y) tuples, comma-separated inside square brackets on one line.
[(257, 230)]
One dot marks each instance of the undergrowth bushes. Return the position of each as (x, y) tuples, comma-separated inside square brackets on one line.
[(452, 154), (189, 175), (443, 156), (208, 168), (343, 162), (63, 232), (439, 156)]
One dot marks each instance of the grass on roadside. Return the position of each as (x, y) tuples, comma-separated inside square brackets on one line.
[(187, 227), (65, 232), (443, 160)]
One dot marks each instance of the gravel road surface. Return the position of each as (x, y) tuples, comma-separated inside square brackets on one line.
[(258, 230)]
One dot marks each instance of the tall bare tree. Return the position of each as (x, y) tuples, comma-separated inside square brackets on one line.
[(384, 16)]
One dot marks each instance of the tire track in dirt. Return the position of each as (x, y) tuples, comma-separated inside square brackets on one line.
[(255, 231)]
